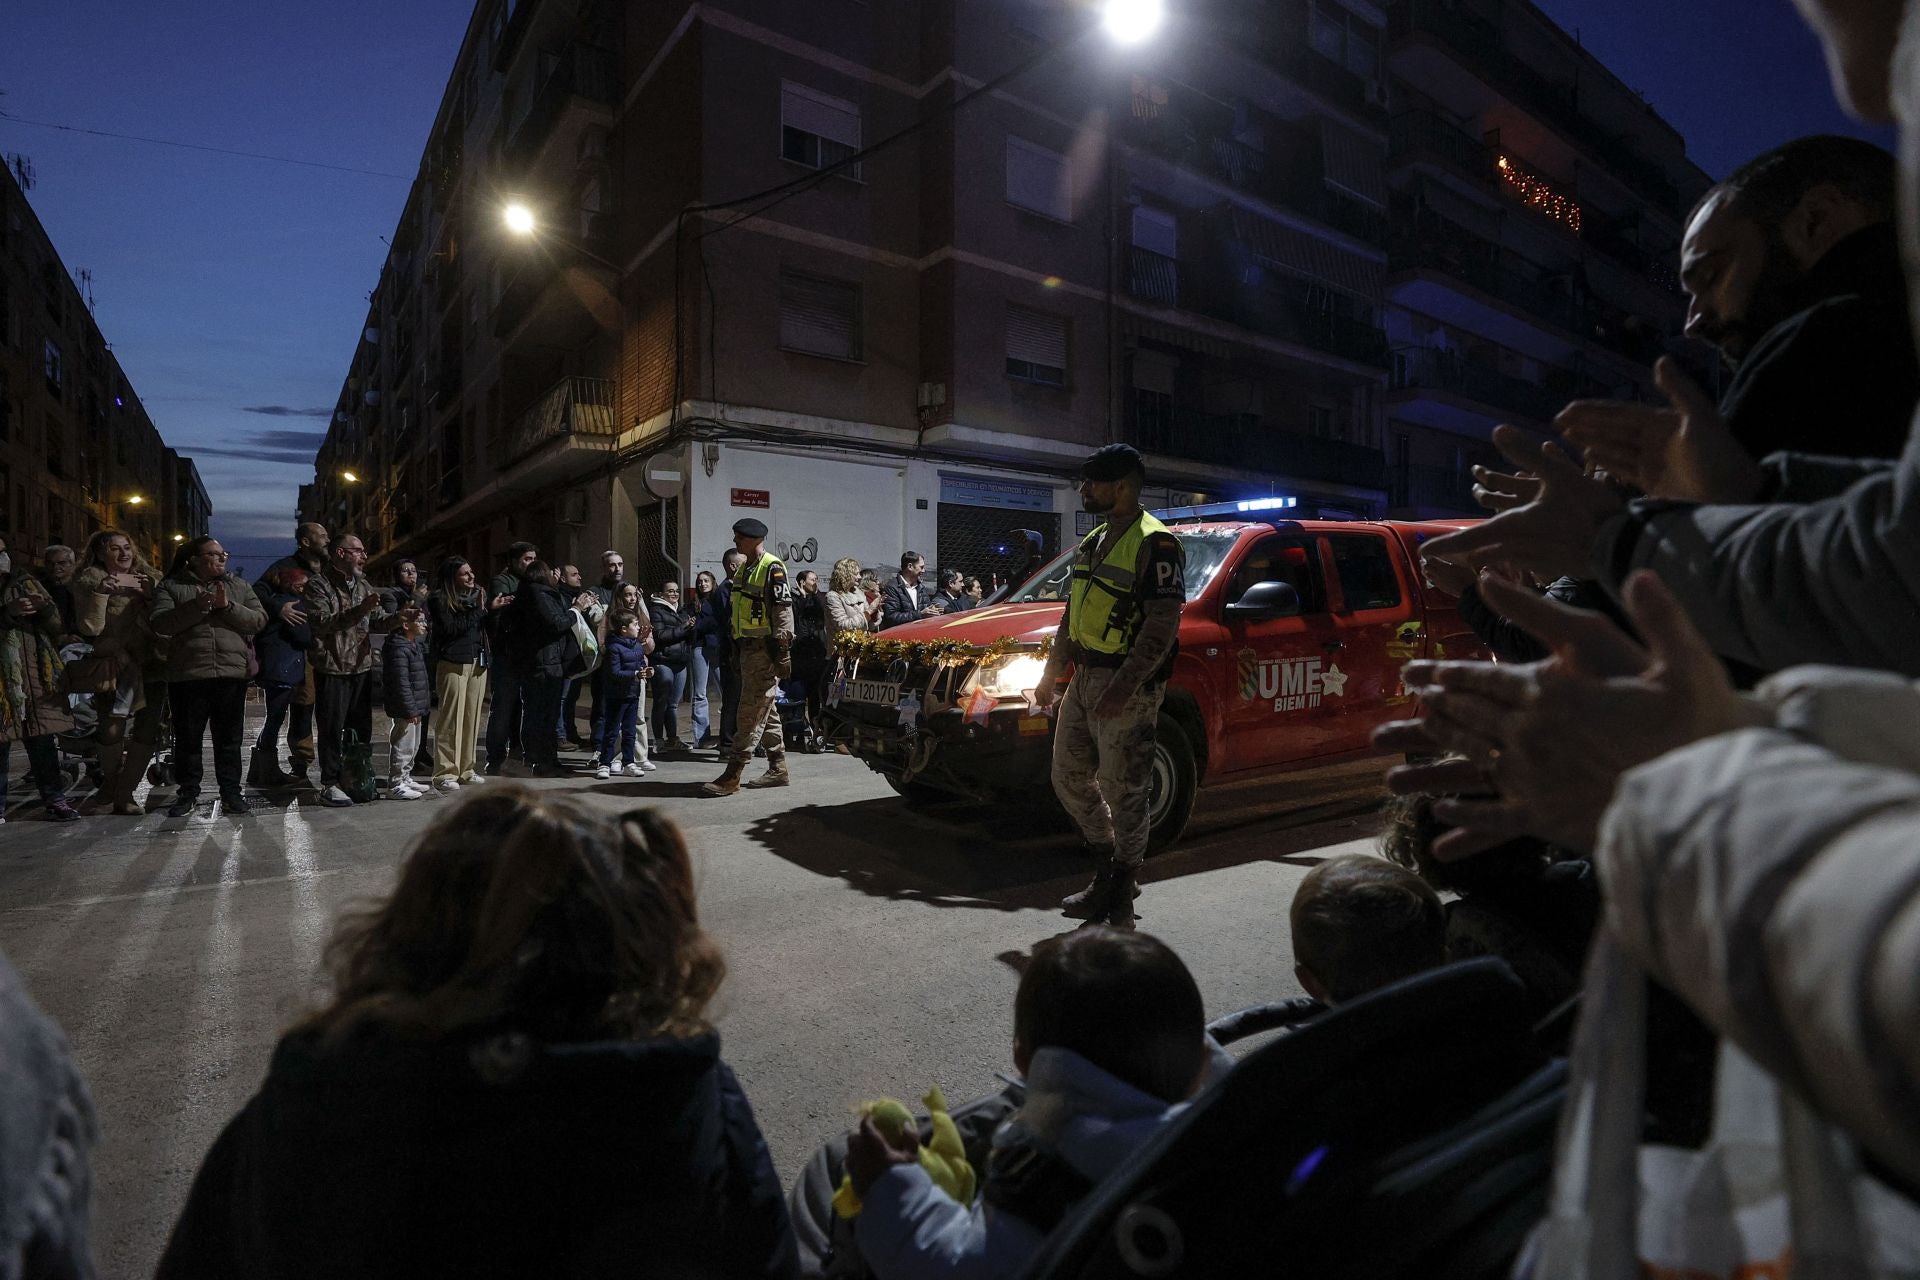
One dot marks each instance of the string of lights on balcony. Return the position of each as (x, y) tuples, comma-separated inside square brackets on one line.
[(1538, 194)]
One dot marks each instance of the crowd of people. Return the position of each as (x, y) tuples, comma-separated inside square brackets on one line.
[(1698, 754), (107, 658)]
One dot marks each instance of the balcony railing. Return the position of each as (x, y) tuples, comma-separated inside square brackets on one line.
[(1244, 441), (573, 407), (1278, 313), (581, 72), (1153, 277), (1439, 244), (1434, 489), (1481, 49), (1251, 170), (1425, 368)]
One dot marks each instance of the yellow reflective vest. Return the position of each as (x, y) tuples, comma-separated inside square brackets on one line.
[(1104, 607), (752, 610)]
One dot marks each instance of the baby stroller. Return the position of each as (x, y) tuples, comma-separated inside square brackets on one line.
[(796, 727)]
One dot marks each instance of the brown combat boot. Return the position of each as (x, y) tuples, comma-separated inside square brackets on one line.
[(775, 776), (727, 783)]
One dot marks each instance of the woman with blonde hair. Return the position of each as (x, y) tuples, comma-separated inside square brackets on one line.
[(846, 603), (113, 594), (514, 1076)]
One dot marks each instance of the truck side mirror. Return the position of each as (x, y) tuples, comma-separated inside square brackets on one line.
[(1267, 600)]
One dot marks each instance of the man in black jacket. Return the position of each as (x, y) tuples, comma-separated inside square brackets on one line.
[(906, 598), (539, 629), (1793, 271), (504, 716)]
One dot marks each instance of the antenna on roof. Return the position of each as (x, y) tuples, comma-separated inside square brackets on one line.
[(22, 167)]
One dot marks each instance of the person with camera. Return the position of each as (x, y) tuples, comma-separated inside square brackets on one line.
[(760, 624), (207, 616)]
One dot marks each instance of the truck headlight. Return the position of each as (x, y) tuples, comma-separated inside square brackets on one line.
[(1010, 677)]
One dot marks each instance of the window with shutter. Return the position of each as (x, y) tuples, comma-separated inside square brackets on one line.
[(819, 317), (817, 130), (1037, 180), (1036, 347)]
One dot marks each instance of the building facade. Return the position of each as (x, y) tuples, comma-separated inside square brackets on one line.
[(77, 450), (1214, 248)]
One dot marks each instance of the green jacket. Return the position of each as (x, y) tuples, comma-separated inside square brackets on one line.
[(203, 645)]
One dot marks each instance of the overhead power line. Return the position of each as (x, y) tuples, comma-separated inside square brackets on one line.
[(201, 146)]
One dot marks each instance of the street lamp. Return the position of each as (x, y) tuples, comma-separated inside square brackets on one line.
[(519, 219), (1132, 21), (349, 477), (521, 222), (135, 500), (179, 537)]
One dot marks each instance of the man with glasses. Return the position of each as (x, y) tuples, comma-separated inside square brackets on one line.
[(613, 576), (206, 615), (343, 609)]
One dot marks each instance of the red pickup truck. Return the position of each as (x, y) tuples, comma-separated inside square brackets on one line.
[(1291, 646)]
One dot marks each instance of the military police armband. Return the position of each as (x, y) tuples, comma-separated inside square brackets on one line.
[(778, 590), (1165, 577)]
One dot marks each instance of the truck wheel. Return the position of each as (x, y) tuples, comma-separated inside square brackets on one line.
[(1171, 789)]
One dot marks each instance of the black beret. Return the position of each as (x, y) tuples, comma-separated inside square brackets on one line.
[(748, 527), (1115, 462)]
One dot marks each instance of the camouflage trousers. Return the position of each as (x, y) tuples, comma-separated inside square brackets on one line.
[(1103, 769), (759, 722)]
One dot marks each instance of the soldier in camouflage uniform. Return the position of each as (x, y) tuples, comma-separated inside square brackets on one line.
[(1120, 632), (761, 622)]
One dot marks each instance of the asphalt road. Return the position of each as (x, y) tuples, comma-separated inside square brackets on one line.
[(872, 948)]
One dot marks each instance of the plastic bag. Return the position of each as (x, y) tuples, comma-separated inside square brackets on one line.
[(356, 768), (1776, 1192)]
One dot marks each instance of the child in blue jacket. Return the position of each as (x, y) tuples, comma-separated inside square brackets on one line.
[(627, 673)]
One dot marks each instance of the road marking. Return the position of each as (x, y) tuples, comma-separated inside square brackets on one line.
[(183, 888)]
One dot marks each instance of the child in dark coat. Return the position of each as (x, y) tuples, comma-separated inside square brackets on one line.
[(626, 675), (403, 677)]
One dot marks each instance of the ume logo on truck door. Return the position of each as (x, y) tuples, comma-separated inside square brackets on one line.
[(1291, 684)]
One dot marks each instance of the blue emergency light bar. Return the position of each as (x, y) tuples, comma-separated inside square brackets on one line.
[(1216, 510)]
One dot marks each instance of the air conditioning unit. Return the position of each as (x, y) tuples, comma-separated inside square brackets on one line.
[(573, 507)]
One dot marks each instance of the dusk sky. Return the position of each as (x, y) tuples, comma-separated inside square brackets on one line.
[(233, 289)]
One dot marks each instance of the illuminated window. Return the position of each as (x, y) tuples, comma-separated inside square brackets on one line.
[(1539, 194)]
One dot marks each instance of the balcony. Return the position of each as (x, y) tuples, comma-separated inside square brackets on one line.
[(1249, 169), (1477, 44), (1279, 313), (581, 73), (1430, 242), (1153, 277), (1244, 442), (1309, 67), (573, 407), (1417, 132), (1427, 369), (1435, 490), (512, 21)]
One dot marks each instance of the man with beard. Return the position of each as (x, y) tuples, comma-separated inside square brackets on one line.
[(310, 547), (1792, 267), (1120, 631)]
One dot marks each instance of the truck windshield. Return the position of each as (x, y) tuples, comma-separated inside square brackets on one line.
[(1206, 552)]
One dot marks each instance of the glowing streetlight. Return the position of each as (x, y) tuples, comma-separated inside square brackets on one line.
[(179, 537), (519, 219), (1132, 21), (349, 477), (135, 500)]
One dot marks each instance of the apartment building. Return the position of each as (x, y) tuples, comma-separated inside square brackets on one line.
[(77, 449), (1536, 205), (1195, 246)]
